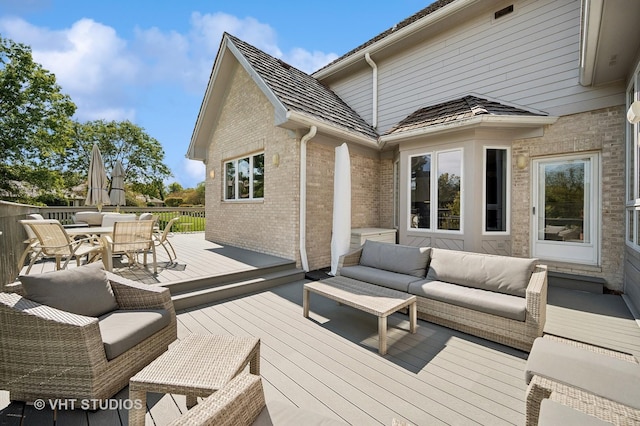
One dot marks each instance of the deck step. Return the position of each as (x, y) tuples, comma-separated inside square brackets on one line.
[(576, 282), (215, 289)]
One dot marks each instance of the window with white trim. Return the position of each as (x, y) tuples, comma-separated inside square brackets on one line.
[(244, 178), (633, 167), (443, 210), (496, 190)]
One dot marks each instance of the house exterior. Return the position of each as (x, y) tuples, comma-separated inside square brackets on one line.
[(480, 125)]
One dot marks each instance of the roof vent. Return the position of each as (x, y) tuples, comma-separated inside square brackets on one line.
[(502, 12)]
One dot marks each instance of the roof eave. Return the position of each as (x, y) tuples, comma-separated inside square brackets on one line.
[(510, 122), (296, 118), (590, 32), (199, 141), (389, 40)]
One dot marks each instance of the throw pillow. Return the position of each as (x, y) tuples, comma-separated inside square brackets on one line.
[(84, 290)]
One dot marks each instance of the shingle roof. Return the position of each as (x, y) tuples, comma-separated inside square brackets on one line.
[(300, 92), (405, 22), (456, 110)]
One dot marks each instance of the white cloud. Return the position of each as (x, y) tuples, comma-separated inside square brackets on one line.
[(106, 75), (308, 61), (191, 174)]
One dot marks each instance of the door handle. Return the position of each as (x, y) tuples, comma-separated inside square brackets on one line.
[(533, 210)]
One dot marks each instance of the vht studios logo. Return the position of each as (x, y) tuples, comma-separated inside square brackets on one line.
[(87, 404)]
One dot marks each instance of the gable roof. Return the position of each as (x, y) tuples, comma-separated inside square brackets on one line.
[(299, 100), (300, 92)]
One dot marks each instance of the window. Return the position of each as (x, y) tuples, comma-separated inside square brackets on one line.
[(442, 211), (244, 178), (633, 168), (496, 184)]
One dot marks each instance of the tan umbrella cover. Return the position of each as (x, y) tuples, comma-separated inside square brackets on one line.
[(117, 185), (97, 194)]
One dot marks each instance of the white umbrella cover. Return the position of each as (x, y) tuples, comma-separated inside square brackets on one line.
[(341, 237), (97, 194), (117, 185)]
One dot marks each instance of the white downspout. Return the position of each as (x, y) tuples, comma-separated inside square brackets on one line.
[(374, 95), (303, 197)]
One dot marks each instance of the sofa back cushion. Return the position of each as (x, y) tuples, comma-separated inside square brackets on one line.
[(84, 290), (395, 258), (508, 275)]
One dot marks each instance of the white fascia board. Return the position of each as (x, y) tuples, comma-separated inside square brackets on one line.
[(591, 18), (295, 117), (280, 109), (389, 40), (482, 121)]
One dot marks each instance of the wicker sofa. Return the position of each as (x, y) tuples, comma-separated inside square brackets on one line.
[(499, 298), (48, 352)]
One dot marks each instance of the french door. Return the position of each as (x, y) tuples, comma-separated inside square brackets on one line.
[(566, 209)]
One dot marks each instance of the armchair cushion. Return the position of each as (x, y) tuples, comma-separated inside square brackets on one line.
[(84, 290), (121, 330)]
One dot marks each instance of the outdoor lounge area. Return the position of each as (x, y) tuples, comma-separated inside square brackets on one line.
[(329, 363)]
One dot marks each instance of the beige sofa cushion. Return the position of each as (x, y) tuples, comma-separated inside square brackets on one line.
[(395, 258), (504, 274), (90, 218), (123, 329), (84, 290), (379, 277), (489, 302)]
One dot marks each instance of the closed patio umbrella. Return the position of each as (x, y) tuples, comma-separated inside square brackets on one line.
[(117, 186), (341, 237), (97, 194)]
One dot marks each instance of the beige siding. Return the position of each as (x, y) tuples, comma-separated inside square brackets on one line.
[(528, 58), (600, 131), (245, 126)]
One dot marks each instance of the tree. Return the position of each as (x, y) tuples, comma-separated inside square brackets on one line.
[(175, 187), (35, 120), (141, 155)]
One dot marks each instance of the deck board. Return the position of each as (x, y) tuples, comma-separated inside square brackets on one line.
[(329, 362)]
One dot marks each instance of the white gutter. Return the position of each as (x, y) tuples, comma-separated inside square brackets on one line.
[(481, 121), (374, 92), (591, 20), (330, 129), (303, 197)]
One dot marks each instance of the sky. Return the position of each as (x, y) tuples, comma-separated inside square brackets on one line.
[(149, 61)]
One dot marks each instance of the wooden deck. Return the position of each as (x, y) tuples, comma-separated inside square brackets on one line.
[(329, 362), (197, 258)]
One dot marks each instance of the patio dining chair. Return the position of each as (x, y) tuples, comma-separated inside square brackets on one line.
[(53, 241), (160, 239), (130, 238)]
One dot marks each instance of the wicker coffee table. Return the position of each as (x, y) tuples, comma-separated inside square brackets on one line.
[(376, 300), (196, 367)]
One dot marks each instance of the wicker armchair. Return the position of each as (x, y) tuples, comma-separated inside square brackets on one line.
[(583, 400), (49, 353)]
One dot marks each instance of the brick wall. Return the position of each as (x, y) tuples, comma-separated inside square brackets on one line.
[(246, 126), (365, 198), (595, 131)]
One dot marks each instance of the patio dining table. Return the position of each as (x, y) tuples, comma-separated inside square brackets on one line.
[(92, 230)]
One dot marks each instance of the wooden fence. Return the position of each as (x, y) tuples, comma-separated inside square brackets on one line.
[(12, 237)]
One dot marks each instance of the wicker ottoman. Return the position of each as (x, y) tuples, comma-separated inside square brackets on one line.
[(196, 367)]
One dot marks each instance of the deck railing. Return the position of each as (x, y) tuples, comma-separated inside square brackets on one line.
[(191, 218), (13, 235)]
